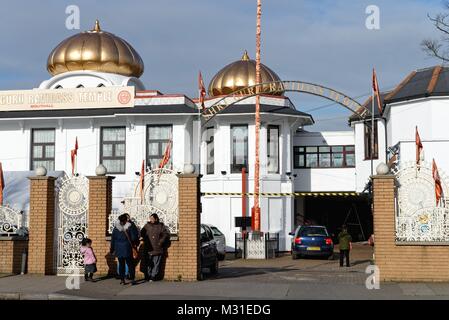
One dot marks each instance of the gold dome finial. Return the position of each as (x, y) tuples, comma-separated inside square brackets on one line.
[(97, 26), (95, 50), (239, 75)]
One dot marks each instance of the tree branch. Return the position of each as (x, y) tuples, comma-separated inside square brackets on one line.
[(439, 48)]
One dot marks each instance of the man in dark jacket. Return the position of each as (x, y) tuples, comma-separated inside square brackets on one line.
[(345, 240), (156, 235)]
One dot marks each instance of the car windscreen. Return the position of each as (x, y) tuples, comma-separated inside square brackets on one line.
[(312, 232), (216, 232)]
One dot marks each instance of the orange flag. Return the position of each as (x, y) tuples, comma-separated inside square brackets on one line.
[(73, 154), (377, 91), (2, 184), (167, 154), (142, 181), (438, 187), (76, 146), (201, 90), (419, 147)]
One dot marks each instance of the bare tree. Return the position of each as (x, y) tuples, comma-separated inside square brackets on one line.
[(439, 48)]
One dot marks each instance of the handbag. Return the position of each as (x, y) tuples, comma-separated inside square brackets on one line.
[(135, 253)]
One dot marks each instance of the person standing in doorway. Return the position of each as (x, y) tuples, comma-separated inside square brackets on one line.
[(121, 245), (345, 244), (157, 236)]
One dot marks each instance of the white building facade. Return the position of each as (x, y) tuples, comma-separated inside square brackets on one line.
[(330, 169)]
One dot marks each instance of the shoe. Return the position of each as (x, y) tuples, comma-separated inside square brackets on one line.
[(133, 283), (123, 282)]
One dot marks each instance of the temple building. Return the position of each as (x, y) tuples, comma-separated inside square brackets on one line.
[(101, 103)]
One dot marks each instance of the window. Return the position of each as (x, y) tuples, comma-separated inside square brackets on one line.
[(324, 157), (43, 149), (312, 232), (368, 150), (113, 149), (273, 149), (216, 232), (239, 143), (206, 234), (210, 150), (158, 137)]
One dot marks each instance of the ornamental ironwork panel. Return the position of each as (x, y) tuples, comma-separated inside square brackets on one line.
[(11, 222), (255, 246), (72, 210), (160, 195), (418, 218), (139, 214)]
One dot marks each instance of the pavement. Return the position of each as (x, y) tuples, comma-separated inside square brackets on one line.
[(280, 278)]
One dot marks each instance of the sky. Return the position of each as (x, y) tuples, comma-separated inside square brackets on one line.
[(319, 41)]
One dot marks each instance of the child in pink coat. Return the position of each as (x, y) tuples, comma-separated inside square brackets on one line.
[(90, 260)]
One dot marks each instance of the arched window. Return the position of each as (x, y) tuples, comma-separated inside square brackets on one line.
[(58, 86), (100, 85), (80, 86)]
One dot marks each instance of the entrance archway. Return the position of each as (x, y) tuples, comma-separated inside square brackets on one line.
[(286, 86)]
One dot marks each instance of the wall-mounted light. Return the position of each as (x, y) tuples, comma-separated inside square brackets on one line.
[(288, 174), (137, 173), (223, 173), (295, 175)]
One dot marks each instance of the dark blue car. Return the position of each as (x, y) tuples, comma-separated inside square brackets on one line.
[(312, 241)]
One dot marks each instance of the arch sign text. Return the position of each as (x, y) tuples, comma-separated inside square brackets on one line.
[(287, 86)]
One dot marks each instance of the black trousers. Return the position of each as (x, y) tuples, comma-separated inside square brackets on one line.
[(131, 268), (154, 266), (88, 275), (344, 254)]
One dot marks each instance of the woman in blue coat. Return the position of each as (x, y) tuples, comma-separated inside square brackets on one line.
[(122, 238)]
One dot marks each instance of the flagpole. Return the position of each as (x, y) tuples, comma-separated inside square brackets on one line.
[(372, 131), (256, 217), (199, 131)]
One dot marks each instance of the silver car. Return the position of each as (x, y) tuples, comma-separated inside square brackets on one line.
[(220, 239)]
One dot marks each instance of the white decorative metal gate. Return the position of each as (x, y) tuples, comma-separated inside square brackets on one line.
[(160, 195), (11, 221), (72, 209), (418, 218)]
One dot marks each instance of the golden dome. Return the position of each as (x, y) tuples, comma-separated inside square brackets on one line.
[(238, 75), (95, 50)]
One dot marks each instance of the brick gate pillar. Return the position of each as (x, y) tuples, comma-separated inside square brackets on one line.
[(100, 206), (183, 260), (41, 252), (384, 222)]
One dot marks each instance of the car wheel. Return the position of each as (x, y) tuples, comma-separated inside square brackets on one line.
[(295, 256), (330, 257), (221, 257), (214, 267)]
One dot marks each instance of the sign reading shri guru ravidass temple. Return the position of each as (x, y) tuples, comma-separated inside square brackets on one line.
[(60, 99)]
